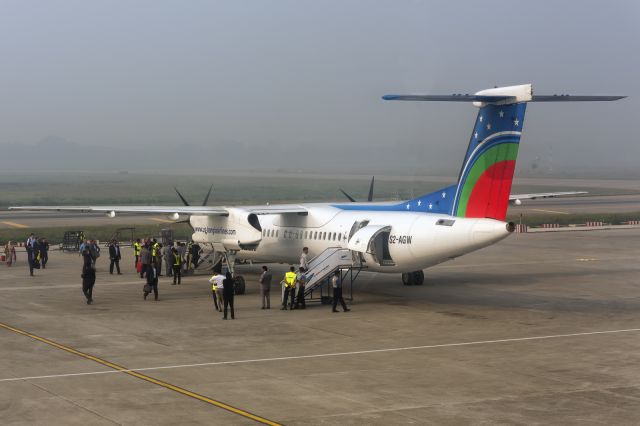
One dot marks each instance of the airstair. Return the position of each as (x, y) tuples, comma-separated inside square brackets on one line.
[(324, 265)]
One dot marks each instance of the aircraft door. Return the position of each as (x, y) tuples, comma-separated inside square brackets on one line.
[(372, 244), (357, 225)]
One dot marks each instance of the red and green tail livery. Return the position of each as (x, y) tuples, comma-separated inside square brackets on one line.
[(484, 183)]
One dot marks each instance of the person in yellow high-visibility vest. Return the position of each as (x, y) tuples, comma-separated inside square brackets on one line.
[(216, 282), (289, 283), (136, 251)]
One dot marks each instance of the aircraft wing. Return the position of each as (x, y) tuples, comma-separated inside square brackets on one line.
[(276, 209), (181, 210), (187, 210), (514, 197)]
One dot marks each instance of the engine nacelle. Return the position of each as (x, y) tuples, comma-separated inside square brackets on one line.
[(516, 202), (240, 230), (111, 214), (174, 216)]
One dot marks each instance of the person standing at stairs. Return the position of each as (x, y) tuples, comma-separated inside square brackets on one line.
[(289, 283), (336, 283)]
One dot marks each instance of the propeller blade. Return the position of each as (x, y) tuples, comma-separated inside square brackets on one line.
[(206, 199), (353, 200), (370, 197), (186, 203)]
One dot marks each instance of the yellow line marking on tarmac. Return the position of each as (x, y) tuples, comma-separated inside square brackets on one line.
[(549, 211), (14, 224), (159, 219), (144, 377)]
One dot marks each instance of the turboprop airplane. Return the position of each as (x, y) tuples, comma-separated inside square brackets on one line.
[(390, 237)]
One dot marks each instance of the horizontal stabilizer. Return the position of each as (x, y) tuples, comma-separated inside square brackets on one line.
[(573, 98), (448, 98)]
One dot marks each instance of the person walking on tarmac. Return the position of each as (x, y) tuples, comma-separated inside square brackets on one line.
[(88, 275), (44, 251), (289, 283), (145, 259), (136, 251), (336, 283), (228, 295), (115, 256), (177, 267), (31, 255), (168, 259), (152, 282), (301, 280), (215, 292), (155, 254), (159, 259), (265, 287)]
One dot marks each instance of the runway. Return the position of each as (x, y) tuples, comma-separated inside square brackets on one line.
[(523, 332)]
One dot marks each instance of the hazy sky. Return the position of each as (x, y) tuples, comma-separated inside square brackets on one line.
[(301, 76)]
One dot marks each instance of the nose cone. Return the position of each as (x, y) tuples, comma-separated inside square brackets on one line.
[(488, 231)]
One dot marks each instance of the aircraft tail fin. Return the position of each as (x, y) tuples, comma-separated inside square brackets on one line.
[(484, 181)]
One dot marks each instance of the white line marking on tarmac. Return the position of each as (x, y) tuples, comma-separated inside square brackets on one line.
[(549, 211), (326, 355)]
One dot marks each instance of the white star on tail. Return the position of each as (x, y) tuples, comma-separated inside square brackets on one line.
[(516, 122), (475, 135), (430, 206), (489, 126), (480, 119), (408, 206), (444, 194), (419, 203), (501, 113)]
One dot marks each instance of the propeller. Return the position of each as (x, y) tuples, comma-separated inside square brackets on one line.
[(369, 197), (186, 203), (206, 199)]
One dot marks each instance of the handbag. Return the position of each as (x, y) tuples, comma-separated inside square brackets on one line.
[(139, 266), (146, 288)]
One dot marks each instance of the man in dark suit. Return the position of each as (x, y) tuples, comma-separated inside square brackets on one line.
[(115, 256), (228, 292)]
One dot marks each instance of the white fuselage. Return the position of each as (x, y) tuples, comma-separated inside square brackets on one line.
[(389, 241)]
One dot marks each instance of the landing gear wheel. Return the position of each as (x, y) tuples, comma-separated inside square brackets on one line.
[(413, 278), (407, 278), (238, 284)]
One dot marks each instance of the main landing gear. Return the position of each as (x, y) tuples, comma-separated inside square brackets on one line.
[(413, 278), (238, 280)]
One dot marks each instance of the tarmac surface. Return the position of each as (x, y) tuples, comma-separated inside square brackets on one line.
[(538, 329)]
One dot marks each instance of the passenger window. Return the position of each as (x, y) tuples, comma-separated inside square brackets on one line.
[(277, 233), (305, 235)]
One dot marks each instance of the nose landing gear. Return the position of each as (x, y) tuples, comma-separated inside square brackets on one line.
[(413, 278)]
